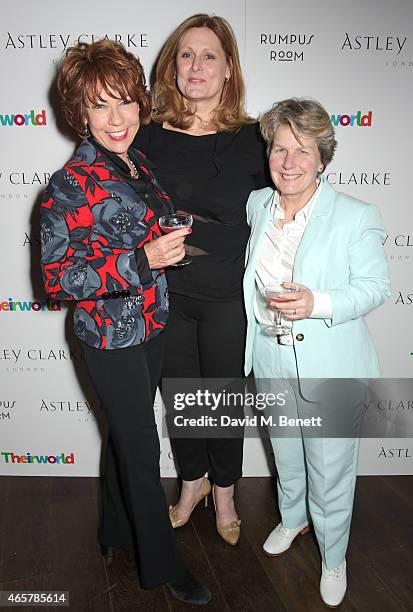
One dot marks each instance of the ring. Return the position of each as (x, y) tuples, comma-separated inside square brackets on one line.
[(294, 311)]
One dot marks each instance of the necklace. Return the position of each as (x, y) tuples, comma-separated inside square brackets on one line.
[(134, 172)]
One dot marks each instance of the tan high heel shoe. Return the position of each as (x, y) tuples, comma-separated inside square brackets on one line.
[(203, 494), (229, 533)]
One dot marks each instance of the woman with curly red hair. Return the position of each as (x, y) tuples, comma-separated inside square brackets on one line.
[(102, 247)]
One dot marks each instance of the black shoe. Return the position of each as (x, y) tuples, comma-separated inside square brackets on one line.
[(189, 590), (107, 554)]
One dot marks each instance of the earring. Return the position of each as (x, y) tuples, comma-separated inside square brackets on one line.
[(86, 131), (175, 77)]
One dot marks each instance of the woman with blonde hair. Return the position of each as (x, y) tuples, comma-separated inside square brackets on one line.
[(209, 155)]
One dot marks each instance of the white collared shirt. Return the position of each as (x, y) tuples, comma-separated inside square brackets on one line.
[(277, 256)]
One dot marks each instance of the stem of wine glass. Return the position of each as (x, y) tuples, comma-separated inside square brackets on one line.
[(278, 317)]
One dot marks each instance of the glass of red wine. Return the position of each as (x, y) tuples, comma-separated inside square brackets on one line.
[(170, 223)]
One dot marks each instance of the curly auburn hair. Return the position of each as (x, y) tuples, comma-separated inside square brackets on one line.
[(169, 104), (87, 68)]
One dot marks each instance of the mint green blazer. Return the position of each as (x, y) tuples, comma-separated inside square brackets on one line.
[(341, 252)]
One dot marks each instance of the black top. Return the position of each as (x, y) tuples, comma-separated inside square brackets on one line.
[(210, 177)]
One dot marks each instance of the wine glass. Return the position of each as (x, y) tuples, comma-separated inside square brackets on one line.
[(170, 223), (276, 291)]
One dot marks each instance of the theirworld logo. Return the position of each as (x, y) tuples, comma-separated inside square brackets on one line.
[(21, 120), (12, 306), (357, 120), (11, 457)]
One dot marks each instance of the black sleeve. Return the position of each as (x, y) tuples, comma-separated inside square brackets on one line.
[(263, 177), (142, 139), (143, 268)]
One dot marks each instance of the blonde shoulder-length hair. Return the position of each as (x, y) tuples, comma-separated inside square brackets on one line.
[(169, 104)]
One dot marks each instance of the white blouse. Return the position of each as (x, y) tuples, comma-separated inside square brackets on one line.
[(276, 261)]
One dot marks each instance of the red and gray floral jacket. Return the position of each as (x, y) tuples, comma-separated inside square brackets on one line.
[(93, 227)]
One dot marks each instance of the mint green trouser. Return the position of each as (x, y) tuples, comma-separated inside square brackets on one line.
[(316, 475)]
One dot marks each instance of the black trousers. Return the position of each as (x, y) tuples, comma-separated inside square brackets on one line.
[(134, 504), (206, 340)]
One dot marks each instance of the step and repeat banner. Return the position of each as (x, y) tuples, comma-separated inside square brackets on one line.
[(356, 58)]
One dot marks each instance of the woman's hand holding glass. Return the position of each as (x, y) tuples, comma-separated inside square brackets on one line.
[(172, 223), (298, 305), (166, 250), (276, 293)]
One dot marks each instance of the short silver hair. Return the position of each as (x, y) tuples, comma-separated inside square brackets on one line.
[(303, 116)]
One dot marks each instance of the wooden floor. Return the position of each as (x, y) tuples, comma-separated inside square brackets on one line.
[(48, 542)]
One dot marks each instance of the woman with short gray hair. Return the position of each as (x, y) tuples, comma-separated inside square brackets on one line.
[(315, 266), (303, 116)]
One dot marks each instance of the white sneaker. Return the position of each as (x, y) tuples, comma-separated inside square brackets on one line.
[(281, 538), (333, 585)]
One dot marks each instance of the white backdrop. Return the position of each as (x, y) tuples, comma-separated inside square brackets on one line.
[(353, 57)]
